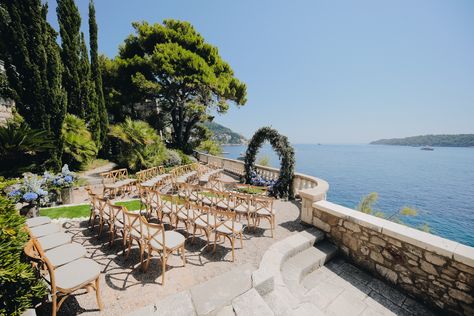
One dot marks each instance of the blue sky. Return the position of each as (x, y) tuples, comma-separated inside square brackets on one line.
[(328, 71)]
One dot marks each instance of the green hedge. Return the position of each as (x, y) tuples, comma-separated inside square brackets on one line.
[(19, 285)]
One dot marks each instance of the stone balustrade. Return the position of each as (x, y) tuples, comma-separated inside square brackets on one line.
[(304, 185), (435, 270)]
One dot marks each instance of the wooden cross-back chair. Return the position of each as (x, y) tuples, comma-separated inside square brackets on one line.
[(163, 204), (116, 181), (117, 223), (262, 208), (242, 207), (134, 232), (225, 225), (65, 280), (163, 243), (204, 220), (101, 212)]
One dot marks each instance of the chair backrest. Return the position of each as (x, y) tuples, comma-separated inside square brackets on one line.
[(241, 201), (117, 214), (100, 203), (153, 200), (223, 217), (34, 251), (153, 232), (265, 204), (222, 200), (114, 175), (133, 223), (168, 202)]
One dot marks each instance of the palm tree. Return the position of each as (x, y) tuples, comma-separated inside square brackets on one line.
[(79, 148), (22, 149)]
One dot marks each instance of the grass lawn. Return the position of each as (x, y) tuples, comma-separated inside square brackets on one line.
[(81, 210), (130, 205), (67, 211)]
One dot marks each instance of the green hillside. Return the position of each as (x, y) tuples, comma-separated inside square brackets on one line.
[(224, 135), (460, 140)]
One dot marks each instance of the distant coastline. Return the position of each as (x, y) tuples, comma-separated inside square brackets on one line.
[(458, 140)]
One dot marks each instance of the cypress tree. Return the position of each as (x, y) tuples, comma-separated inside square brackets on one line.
[(97, 75), (31, 56), (87, 93), (69, 25)]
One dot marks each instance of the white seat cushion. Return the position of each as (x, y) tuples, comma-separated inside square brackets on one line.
[(241, 208), (226, 230), (124, 182), (37, 221), (43, 230), (172, 240), (54, 240), (65, 254), (264, 212), (77, 273)]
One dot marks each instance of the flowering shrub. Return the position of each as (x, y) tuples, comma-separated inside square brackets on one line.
[(42, 190), (32, 190), (65, 179)]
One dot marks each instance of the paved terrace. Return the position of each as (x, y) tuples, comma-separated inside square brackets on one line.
[(338, 288)]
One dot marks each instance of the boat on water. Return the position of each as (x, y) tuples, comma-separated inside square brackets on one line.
[(428, 148)]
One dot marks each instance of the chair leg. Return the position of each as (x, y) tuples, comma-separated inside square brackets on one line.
[(147, 263), (97, 294), (163, 267), (142, 252), (54, 307), (183, 255), (241, 242), (129, 247), (215, 243), (232, 243)]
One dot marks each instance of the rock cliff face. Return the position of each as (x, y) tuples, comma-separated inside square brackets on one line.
[(224, 135)]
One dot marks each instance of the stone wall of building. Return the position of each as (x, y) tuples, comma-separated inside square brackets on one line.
[(435, 270), (6, 106)]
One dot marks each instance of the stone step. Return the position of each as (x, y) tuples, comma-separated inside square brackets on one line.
[(269, 272), (251, 304), (305, 262), (211, 296)]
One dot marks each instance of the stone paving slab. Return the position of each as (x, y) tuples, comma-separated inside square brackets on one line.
[(179, 304), (218, 292), (251, 304)]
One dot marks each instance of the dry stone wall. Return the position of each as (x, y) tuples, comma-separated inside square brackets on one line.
[(432, 269)]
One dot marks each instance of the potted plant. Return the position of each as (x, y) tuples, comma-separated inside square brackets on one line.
[(63, 183)]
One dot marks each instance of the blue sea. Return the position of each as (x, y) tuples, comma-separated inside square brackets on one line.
[(439, 184)]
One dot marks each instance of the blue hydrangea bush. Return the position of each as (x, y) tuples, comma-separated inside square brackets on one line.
[(42, 190)]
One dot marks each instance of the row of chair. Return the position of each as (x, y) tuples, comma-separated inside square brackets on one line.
[(61, 262), (253, 207), (133, 227)]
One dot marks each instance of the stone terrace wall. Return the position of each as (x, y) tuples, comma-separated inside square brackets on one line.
[(435, 270)]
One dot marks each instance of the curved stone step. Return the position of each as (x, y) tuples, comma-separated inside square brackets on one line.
[(305, 262), (269, 273)]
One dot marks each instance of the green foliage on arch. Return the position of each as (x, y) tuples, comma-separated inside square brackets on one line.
[(284, 186)]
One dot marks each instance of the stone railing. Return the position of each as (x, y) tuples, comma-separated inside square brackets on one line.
[(313, 188), (435, 270)]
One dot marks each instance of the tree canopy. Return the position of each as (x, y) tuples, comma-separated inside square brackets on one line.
[(174, 66)]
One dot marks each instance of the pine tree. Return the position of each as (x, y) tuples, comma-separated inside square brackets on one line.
[(96, 74), (69, 24), (87, 93), (31, 56)]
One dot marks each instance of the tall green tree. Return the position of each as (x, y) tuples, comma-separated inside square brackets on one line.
[(33, 67), (69, 24), (88, 95), (172, 64), (97, 74)]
